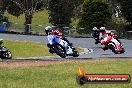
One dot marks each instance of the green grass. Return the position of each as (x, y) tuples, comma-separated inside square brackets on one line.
[(63, 75), (40, 18), (27, 49), (39, 22)]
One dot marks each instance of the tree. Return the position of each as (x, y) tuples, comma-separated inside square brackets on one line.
[(2, 10), (126, 8), (61, 11), (116, 8), (28, 7), (1, 3), (95, 13)]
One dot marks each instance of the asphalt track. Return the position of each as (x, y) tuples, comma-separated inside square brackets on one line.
[(87, 43)]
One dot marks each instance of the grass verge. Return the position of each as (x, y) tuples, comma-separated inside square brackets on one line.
[(21, 49), (62, 75), (27, 49), (35, 21)]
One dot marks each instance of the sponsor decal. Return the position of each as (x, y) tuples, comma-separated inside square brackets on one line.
[(83, 78)]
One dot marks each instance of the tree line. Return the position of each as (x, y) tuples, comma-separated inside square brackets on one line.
[(115, 14)]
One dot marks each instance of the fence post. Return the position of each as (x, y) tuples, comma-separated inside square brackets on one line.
[(129, 34), (67, 29)]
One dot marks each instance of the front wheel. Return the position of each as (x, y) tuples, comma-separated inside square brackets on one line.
[(112, 48), (60, 50), (122, 51), (6, 55)]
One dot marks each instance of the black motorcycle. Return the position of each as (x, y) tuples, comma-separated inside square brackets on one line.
[(96, 34), (4, 52)]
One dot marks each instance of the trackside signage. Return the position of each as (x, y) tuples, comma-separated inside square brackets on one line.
[(83, 78)]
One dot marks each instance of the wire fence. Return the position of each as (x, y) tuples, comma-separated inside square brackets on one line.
[(39, 30), (20, 28)]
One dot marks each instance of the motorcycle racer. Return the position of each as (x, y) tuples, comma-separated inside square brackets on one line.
[(102, 32), (109, 42), (55, 38), (104, 37), (56, 31), (95, 34)]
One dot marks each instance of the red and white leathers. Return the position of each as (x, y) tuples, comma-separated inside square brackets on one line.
[(106, 39), (102, 32), (114, 35)]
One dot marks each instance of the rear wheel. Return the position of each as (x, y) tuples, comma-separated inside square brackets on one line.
[(97, 41), (60, 50), (112, 48), (6, 55)]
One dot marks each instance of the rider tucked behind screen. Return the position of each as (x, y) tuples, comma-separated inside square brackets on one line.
[(57, 31), (102, 32), (53, 34), (103, 37)]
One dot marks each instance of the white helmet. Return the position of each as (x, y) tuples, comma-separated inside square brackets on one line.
[(102, 28), (48, 29), (95, 28)]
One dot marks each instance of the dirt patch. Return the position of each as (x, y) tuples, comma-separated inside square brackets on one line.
[(31, 63), (27, 63)]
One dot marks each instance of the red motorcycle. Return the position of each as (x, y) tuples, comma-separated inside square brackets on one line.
[(114, 35), (111, 43)]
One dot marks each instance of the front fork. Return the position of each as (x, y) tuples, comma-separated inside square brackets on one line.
[(66, 45)]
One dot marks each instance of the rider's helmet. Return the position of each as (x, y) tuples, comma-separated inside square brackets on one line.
[(48, 30), (95, 28), (102, 28)]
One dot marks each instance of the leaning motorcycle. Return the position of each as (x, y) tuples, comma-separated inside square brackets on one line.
[(4, 52), (112, 44), (60, 47)]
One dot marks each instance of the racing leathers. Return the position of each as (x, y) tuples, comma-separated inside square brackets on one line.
[(56, 31), (52, 39)]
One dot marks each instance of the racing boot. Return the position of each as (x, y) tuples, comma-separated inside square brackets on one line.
[(51, 50), (69, 51)]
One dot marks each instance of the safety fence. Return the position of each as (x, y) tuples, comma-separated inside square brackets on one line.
[(39, 30), (20, 28)]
